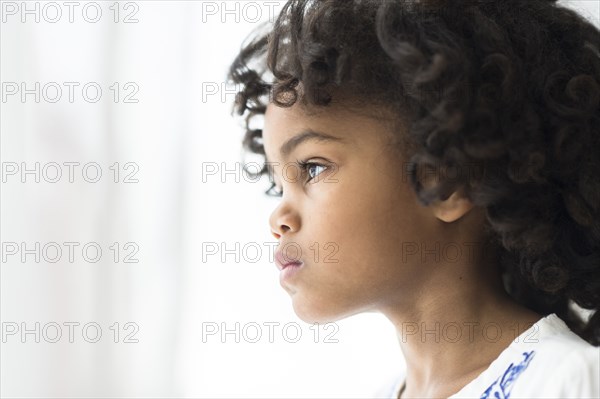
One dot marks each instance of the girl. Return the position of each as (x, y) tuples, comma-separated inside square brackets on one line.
[(442, 159)]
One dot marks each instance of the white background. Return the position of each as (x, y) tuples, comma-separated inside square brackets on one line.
[(177, 54)]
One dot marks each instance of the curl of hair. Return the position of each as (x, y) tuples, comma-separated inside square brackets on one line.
[(508, 89)]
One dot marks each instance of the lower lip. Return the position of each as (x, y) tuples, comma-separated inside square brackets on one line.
[(289, 271)]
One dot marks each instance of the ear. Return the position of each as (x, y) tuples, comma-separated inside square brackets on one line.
[(450, 209), (453, 208)]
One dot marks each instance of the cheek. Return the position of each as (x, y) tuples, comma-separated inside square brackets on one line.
[(355, 254), (358, 226), (371, 224), (369, 214)]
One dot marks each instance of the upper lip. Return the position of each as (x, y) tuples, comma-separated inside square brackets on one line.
[(283, 261)]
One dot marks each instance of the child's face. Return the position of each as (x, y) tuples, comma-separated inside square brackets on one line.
[(351, 222)]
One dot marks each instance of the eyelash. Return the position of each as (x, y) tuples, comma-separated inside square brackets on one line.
[(304, 166)]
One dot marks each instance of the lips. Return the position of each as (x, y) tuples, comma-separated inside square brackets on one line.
[(282, 261)]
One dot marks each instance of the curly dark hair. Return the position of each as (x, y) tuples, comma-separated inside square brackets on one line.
[(512, 86)]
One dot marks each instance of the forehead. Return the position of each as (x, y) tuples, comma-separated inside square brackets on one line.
[(281, 124), (297, 114)]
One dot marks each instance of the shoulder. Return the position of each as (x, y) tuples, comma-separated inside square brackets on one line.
[(553, 363), (573, 371), (547, 361)]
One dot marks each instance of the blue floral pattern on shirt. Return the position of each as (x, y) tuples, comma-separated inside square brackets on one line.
[(500, 389)]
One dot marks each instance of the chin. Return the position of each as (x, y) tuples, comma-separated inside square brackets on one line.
[(311, 312)]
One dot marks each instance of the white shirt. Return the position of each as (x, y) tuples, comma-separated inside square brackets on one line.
[(548, 360)]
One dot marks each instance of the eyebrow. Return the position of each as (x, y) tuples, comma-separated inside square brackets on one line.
[(305, 136)]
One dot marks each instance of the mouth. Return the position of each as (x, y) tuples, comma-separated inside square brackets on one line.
[(287, 267), (283, 262)]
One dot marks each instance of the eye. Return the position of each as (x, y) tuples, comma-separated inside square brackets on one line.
[(311, 166), (311, 169), (274, 193)]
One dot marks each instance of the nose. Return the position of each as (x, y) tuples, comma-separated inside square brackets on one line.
[(283, 220)]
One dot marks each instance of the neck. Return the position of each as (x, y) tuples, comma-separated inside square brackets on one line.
[(455, 328)]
